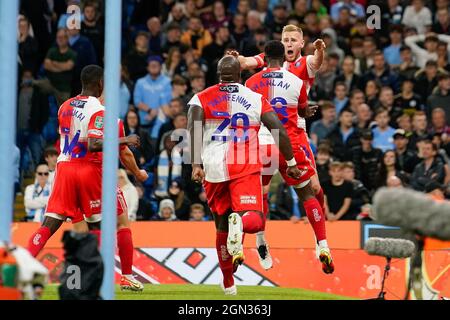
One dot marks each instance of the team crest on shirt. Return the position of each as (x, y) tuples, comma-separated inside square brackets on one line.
[(229, 88), (298, 63), (98, 122)]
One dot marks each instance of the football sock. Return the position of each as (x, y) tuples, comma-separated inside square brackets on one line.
[(251, 222), (323, 244), (260, 239), (125, 245), (38, 240), (320, 198), (265, 209), (225, 260), (316, 218)]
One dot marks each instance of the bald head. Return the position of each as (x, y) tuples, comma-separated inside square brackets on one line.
[(229, 69)]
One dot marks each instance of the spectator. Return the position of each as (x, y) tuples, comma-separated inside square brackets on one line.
[(366, 159), (288, 207), (406, 102), (197, 84), (323, 84), (172, 62), (85, 56), (178, 120), (388, 168), (145, 210), (360, 195), (372, 90), (395, 12), (179, 90), (430, 169), (59, 64), (37, 194), (338, 194), (442, 52), (331, 42), (219, 18), (344, 24), (419, 123), (167, 123), (280, 18), (253, 21), (439, 125), (130, 194), (51, 159), (344, 136), (214, 51), (392, 52), (418, 16), (33, 113), (348, 76), (356, 99), (321, 128), (382, 73), (386, 99), (369, 50), (166, 211), (152, 92), (146, 152), (172, 39), (323, 159), (136, 59), (300, 10), (356, 9), (404, 122), (125, 89), (357, 51), (197, 213), (423, 55), (394, 182), (363, 117), (440, 98), (168, 166), (340, 96), (240, 31), (406, 158), (196, 36), (180, 199), (383, 133), (93, 29), (28, 47), (256, 43), (155, 40), (176, 17), (442, 24), (408, 67)]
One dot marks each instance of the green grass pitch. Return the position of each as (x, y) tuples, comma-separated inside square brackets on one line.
[(209, 292)]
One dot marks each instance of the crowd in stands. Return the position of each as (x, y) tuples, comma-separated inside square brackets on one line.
[(384, 94)]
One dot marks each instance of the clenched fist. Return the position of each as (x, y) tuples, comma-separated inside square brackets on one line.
[(319, 44)]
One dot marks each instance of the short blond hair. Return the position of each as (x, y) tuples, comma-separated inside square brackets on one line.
[(292, 28)]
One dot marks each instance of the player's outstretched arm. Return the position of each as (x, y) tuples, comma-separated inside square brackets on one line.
[(129, 162), (270, 120), (195, 127), (96, 144), (316, 61), (247, 63)]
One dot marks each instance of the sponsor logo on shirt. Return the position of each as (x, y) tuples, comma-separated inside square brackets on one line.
[(229, 88), (277, 75), (248, 199), (77, 103)]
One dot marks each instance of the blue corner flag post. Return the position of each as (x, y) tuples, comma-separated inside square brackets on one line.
[(8, 91), (110, 146)]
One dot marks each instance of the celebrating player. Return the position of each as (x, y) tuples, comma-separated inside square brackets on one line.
[(305, 68), (287, 95), (223, 121), (76, 192)]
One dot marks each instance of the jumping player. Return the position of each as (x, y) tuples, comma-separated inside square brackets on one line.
[(288, 97), (72, 194), (224, 121), (304, 67)]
